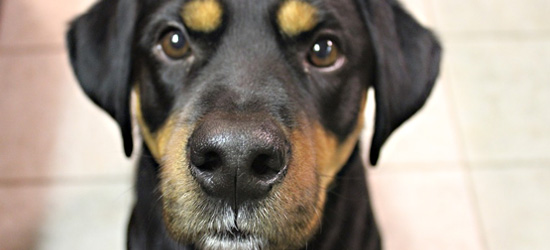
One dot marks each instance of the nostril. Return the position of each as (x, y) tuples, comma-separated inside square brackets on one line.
[(266, 166), (208, 161)]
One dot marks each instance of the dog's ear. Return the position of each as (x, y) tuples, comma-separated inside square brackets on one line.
[(407, 64), (100, 43)]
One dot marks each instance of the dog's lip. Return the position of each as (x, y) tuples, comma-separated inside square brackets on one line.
[(234, 233), (233, 239)]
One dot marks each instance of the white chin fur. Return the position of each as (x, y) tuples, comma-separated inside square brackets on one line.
[(222, 242)]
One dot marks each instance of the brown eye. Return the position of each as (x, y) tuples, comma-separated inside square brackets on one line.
[(323, 53), (174, 44)]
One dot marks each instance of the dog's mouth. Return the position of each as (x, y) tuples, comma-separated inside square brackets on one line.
[(234, 234), (232, 239)]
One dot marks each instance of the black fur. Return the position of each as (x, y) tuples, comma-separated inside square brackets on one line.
[(248, 67), (407, 59), (99, 47)]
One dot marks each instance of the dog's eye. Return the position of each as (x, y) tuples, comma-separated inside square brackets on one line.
[(323, 53), (174, 44)]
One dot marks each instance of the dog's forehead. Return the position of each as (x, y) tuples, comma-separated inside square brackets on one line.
[(291, 17)]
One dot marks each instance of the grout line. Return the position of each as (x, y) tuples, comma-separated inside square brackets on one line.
[(505, 163), (19, 50), (64, 181), (516, 35), (463, 161), (474, 200), (433, 16), (459, 165), (2, 6), (420, 167)]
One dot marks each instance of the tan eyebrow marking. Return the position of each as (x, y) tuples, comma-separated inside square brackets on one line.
[(202, 15), (296, 16)]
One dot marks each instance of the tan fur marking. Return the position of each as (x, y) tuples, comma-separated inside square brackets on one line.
[(202, 15), (156, 142), (143, 128), (331, 154), (181, 194), (168, 148), (297, 16), (302, 183)]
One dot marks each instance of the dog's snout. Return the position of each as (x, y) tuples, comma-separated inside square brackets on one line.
[(238, 160)]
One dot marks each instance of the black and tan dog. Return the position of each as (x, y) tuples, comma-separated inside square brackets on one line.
[(250, 111)]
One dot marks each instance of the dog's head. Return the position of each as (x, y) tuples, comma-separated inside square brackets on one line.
[(251, 108)]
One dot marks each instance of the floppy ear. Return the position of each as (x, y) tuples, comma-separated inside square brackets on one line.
[(407, 64), (100, 43)]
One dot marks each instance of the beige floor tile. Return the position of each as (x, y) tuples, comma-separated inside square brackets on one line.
[(29, 101), (514, 199), (21, 214), (501, 91), (65, 217), (424, 210), (37, 22), (87, 217), (49, 128), (492, 15)]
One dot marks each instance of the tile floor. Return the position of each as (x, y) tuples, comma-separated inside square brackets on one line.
[(471, 171)]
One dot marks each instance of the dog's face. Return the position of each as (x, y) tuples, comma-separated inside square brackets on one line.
[(250, 108)]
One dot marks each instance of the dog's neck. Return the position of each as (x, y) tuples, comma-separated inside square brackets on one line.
[(348, 221)]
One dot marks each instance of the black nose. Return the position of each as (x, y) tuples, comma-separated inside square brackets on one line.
[(238, 160)]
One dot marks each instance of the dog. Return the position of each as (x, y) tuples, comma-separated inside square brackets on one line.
[(251, 113)]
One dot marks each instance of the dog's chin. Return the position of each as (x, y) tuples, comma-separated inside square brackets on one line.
[(231, 240)]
